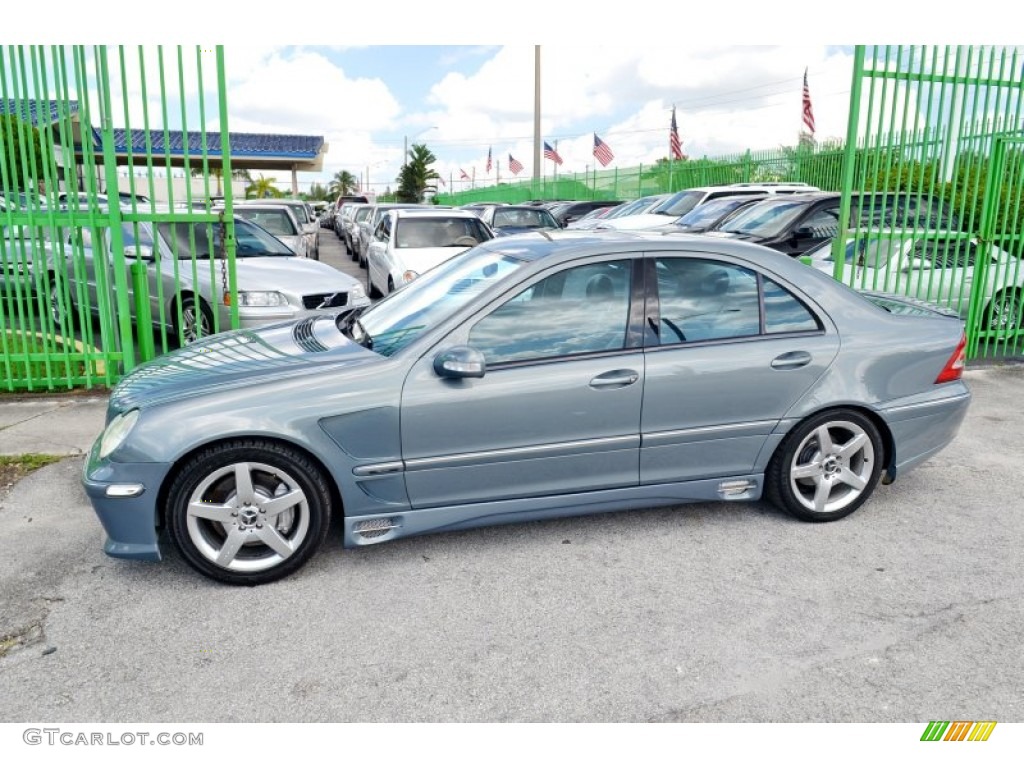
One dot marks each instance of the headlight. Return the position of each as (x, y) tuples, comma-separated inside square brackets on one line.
[(409, 275), (261, 299), (116, 431), (358, 292)]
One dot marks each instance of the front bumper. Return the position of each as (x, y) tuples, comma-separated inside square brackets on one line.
[(131, 523)]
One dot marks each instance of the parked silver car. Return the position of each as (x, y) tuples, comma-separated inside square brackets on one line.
[(278, 220), (531, 377), (187, 284)]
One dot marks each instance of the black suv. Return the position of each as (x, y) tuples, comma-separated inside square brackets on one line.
[(795, 223), (579, 209)]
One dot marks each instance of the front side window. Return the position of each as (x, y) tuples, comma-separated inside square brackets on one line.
[(580, 310)]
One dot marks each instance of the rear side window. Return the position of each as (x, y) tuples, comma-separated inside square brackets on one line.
[(708, 300), (702, 300)]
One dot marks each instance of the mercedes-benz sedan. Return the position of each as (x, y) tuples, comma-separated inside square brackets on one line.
[(530, 377)]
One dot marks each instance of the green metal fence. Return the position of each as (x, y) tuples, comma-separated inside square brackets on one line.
[(817, 164), (85, 295), (943, 127)]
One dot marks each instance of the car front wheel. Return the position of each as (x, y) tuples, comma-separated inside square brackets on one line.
[(826, 467), (249, 511)]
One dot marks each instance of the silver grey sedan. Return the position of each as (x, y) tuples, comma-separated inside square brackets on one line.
[(187, 284), (528, 378)]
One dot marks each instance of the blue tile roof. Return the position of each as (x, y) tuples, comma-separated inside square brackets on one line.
[(242, 144), (50, 110)]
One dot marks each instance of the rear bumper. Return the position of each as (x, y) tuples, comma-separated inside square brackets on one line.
[(921, 430), (130, 521)]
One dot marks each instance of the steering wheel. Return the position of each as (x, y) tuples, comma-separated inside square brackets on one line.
[(465, 240)]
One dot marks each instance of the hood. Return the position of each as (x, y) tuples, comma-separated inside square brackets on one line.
[(421, 259), (637, 221), (505, 231), (293, 274), (240, 358)]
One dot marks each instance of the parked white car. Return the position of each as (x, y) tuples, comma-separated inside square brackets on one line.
[(681, 203), (937, 267), (409, 242)]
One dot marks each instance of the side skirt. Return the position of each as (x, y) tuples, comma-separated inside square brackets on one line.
[(375, 529)]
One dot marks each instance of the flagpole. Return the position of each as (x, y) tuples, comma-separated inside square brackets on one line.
[(671, 154)]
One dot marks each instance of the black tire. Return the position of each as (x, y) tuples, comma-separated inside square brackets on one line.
[(371, 290), (1003, 314), (191, 325), (61, 313), (819, 486), (236, 529)]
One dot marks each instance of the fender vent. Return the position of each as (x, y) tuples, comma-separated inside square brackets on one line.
[(371, 529), (303, 335)]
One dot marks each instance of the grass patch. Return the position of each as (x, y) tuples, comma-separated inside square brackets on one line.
[(13, 468), (28, 360)]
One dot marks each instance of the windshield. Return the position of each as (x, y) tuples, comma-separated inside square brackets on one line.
[(201, 240), (524, 218), (439, 232), (276, 221), (400, 319), (765, 219), (870, 252), (628, 209), (713, 210), (680, 203)]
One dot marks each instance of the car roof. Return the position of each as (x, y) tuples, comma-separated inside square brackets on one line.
[(424, 213)]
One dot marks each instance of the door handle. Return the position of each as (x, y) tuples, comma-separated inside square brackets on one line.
[(791, 361), (622, 377)]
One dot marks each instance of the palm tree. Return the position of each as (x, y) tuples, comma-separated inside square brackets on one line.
[(416, 176), (261, 188), (241, 174), (343, 183)]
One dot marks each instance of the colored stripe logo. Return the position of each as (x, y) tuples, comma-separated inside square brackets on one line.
[(959, 730)]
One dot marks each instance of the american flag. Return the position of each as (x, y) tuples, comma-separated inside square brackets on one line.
[(808, 112), (675, 147), (514, 165), (551, 154), (602, 151), (463, 176), (488, 159)]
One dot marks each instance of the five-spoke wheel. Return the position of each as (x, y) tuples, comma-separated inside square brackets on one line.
[(248, 512), (826, 467)]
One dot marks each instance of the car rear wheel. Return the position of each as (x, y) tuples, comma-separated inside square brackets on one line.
[(826, 467), (249, 511), (1003, 315), (63, 315), (196, 320)]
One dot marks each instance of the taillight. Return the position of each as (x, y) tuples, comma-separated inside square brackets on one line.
[(954, 368)]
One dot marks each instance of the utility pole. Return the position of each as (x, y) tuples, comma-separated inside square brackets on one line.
[(536, 119)]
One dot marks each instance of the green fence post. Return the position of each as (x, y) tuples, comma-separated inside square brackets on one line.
[(143, 317)]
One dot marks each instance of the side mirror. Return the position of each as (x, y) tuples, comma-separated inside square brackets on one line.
[(138, 251), (917, 265), (460, 363), (803, 233)]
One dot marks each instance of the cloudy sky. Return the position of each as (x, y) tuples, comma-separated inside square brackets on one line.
[(462, 101), (381, 76)]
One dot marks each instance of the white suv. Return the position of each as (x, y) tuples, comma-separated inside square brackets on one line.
[(681, 203)]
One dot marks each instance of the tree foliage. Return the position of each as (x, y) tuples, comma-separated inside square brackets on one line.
[(343, 183), (416, 177), (17, 136), (262, 188)]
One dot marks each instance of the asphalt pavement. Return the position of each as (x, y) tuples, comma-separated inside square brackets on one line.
[(909, 610)]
